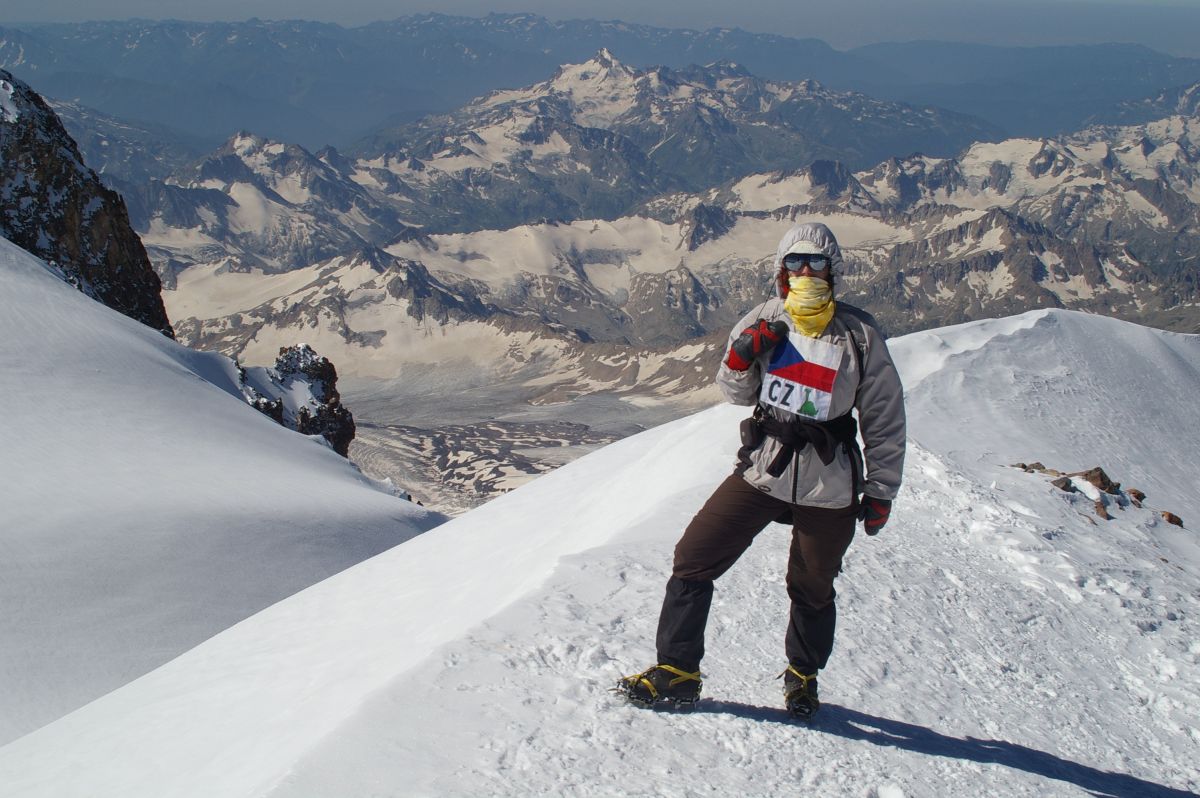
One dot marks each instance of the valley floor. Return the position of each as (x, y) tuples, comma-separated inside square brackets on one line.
[(453, 453)]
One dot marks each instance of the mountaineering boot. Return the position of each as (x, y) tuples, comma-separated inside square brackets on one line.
[(800, 693), (661, 686)]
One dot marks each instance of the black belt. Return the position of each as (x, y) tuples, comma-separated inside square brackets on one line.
[(794, 435)]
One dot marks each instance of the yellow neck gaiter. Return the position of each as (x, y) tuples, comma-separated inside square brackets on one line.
[(810, 304)]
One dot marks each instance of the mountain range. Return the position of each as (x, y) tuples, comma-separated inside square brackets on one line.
[(318, 84), (1104, 219), (414, 259), (594, 141)]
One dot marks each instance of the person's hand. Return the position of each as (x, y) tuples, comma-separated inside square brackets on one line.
[(755, 340), (874, 514)]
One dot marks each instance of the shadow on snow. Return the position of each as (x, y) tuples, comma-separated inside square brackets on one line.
[(853, 725)]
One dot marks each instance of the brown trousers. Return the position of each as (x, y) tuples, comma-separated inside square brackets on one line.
[(723, 529)]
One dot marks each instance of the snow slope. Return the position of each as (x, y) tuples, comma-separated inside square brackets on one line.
[(146, 505), (996, 639)]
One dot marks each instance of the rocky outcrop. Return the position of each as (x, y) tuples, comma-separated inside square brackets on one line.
[(300, 392), (55, 207), (324, 415), (1107, 493)]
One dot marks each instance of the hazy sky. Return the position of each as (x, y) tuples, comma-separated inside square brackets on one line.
[(1169, 25)]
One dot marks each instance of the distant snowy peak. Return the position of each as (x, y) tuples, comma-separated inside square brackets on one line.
[(990, 173), (245, 156), (594, 93), (267, 205), (820, 184), (1102, 220), (1134, 188), (603, 92), (595, 140), (600, 90), (699, 125)]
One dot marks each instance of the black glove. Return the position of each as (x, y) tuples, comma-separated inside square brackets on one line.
[(874, 514), (755, 340)]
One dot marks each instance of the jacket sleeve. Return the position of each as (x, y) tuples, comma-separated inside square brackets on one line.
[(741, 387), (881, 419)]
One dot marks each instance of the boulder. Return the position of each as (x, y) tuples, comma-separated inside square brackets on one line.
[(1097, 477)]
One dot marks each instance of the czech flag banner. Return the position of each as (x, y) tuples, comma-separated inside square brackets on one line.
[(801, 376)]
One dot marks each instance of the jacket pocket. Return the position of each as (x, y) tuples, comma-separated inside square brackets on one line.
[(826, 485)]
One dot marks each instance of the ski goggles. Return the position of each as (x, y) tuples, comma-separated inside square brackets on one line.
[(795, 261)]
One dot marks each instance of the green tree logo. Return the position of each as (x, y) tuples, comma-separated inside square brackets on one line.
[(808, 408)]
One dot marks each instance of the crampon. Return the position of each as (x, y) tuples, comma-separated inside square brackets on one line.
[(661, 687)]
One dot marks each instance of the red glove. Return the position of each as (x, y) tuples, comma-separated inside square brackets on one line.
[(874, 514), (755, 340)]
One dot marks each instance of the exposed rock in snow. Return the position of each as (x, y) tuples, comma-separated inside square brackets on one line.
[(300, 392)]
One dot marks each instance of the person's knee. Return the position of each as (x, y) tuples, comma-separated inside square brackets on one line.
[(815, 594), (689, 571), (696, 561)]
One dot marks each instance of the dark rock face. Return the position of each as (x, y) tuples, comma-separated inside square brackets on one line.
[(707, 223), (55, 207), (300, 393), (327, 416)]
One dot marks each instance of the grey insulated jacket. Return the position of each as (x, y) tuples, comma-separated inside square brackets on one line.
[(819, 379)]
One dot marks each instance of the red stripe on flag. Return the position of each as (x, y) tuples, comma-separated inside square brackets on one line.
[(808, 374)]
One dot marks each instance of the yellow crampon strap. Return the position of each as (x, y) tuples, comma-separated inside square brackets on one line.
[(804, 678), (681, 676)]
